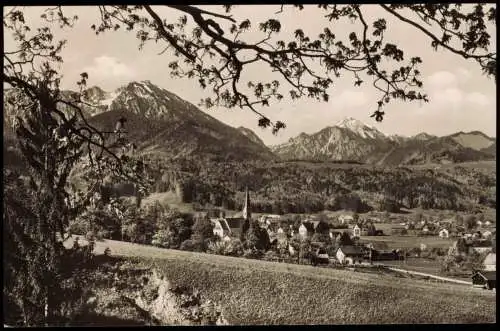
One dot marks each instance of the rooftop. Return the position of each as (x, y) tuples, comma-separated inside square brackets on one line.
[(352, 250), (489, 275)]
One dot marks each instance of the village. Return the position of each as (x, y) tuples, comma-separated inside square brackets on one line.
[(364, 241)]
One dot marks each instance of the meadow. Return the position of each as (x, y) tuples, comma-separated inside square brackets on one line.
[(253, 292), (407, 242)]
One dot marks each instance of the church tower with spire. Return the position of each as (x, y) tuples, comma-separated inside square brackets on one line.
[(246, 208)]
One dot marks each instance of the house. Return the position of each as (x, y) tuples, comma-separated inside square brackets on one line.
[(468, 238), (425, 229), (306, 229), (280, 230), (269, 219), (349, 254), (485, 279), (303, 231), (419, 226), (444, 233), (221, 228), (346, 219), (487, 235), (487, 223), (490, 262), (479, 223), (356, 231), (315, 224)]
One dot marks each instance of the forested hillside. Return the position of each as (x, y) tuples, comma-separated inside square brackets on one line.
[(302, 187)]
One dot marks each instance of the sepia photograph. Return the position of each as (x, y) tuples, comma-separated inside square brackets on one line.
[(249, 164)]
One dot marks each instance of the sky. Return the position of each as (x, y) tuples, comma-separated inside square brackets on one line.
[(461, 97)]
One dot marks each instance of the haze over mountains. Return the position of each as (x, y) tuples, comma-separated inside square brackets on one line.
[(162, 123)]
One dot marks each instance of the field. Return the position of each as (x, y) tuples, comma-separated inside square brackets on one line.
[(417, 264), (405, 242), (259, 292)]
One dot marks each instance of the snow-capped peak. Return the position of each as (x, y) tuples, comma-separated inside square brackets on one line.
[(351, 123), (360, 128)]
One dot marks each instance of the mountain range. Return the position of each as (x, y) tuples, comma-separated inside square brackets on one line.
[(350, 139), (160, 122)]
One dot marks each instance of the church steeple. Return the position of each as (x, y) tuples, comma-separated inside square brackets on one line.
[(246, 208)]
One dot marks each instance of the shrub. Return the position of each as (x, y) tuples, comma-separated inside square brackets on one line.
[(218, 247), (188, 245), (252, 253), (271, 256), (235, 248), (163, 238)]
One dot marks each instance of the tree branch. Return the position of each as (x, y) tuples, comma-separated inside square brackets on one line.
[(168, 36), (433, 37)]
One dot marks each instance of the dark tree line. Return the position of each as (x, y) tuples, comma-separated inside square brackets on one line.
[(280, 189)]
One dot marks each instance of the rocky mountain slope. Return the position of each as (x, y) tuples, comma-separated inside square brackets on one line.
[(159, 121), (251, 135), (350, 139)]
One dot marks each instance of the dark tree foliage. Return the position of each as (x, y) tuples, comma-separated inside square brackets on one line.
[(202, 231), (322, 227), (42, 282), (286, 185), (245, 225), (257, 238), (53, 137), (345, 239), (470, 222), (462, 247), (211, 47)]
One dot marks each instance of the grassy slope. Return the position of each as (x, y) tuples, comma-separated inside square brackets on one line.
[(259, 292)]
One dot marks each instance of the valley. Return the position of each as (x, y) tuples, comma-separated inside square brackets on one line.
[(202, 172)]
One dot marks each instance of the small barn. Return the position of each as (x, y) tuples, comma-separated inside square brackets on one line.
[(350, 255), (444, 233), (346, 219), (356, 231), (490, 262), (485, 279)]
